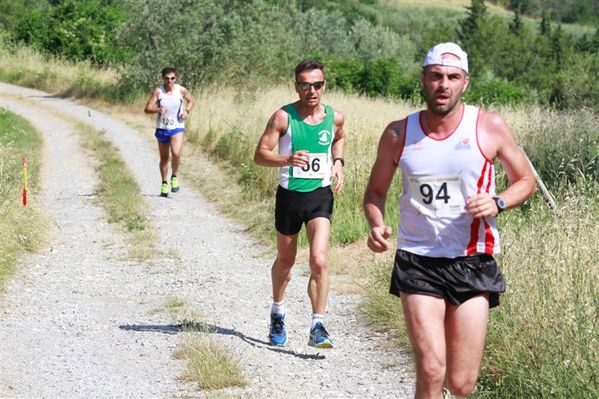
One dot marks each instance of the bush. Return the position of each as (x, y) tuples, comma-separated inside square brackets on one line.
[(492, 90)]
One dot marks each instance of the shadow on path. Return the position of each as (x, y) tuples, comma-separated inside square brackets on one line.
[(212, 329)]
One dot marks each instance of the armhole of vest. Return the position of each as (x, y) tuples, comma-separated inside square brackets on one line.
[(286, 109), (476, 135), (405, 138)]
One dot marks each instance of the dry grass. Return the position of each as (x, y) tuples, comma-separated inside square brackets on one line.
[(24, 66)]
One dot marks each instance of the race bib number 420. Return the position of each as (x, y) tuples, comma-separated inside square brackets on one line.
[(315, 169), (166, 123), (437, 195)]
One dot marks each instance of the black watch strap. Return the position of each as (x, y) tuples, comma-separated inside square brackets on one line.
[(340, 160), (500, 204)]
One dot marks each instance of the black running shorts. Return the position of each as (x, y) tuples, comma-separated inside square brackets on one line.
[(293, 208), (455, 279)]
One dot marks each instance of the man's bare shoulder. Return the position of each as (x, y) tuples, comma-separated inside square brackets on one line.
[(279, 120), (491, 121), (339, 117), (395, 130)]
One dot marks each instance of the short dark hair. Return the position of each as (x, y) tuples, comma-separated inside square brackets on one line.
[(167, 70), (308, 65)]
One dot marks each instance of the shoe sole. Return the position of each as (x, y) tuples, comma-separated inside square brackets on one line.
[(323, 344), (164, 195), (174, 190), (278, 345)]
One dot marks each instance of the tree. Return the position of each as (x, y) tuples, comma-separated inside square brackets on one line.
[(471, 34), (516, 24), (545, 24)]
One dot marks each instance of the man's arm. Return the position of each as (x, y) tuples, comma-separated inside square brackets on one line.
[(381, 176), (151, 106), (497, 141), (265, 155), (337, 151), (189, 103)]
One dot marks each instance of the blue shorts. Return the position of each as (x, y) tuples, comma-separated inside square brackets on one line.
[(164, 136)]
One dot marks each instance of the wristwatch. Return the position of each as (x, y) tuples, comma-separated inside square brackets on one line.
[(500, 204), (340, 160)]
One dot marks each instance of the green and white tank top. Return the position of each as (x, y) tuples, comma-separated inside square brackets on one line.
[(317, 140)]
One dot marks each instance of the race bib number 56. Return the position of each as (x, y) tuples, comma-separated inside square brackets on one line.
[(315, 169), (437, 195)]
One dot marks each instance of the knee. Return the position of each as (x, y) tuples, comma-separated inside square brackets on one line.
[(432, 372), (462, 385), (285, 262), (318, 263)]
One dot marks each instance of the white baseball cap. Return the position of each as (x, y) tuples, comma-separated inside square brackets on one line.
[(434, 56)]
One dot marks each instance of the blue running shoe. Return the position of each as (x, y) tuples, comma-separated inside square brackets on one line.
[(277, 334), (319, 337)]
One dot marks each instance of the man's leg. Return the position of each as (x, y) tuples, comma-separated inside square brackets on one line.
[(424, 316), (281, 268), (318, 231), (163, 149), (465, 332), (176, 147), (281, 274)]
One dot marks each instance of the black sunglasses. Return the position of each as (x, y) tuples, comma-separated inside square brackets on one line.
[(169, 78), (306, 85)]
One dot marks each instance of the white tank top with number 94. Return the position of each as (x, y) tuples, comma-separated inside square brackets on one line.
[(438, 177)]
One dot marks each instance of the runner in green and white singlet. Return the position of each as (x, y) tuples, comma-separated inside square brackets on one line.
[(317, 141), (310, 138)]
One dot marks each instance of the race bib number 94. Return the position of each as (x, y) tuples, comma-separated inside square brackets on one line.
[(437, 195), (315, 169)]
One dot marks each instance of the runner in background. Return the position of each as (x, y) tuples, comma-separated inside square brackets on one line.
[(167, 101)]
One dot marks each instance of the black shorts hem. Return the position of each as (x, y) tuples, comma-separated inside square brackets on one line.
[(457, 280)]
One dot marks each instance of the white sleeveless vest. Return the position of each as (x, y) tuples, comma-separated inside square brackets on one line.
[(173, 102), (438, 177)]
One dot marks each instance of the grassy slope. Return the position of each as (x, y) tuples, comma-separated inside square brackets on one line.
[(22, 229)]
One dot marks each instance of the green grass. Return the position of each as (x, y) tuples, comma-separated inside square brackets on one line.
[(210, 365), (22, 229), (119, 195)]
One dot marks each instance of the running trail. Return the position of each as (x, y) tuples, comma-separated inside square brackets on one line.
[(79, 321)]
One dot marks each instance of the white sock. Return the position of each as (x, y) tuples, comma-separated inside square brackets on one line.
[(317, 318), (277, 308)]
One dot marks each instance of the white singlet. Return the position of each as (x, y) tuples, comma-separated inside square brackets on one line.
[(438, 177), (173, 102)]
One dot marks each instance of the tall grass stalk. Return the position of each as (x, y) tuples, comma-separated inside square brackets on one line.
[(544, 339), (22, 229), (119, 194)]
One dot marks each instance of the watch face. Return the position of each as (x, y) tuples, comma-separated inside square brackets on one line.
[(500, 203)]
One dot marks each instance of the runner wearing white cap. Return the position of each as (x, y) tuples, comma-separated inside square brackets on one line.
[(444, 268)]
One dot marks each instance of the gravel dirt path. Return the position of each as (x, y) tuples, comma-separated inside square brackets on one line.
[(79, 321)]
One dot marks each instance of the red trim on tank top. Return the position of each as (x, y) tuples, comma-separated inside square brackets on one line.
[(471, 249), (427, 134)]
